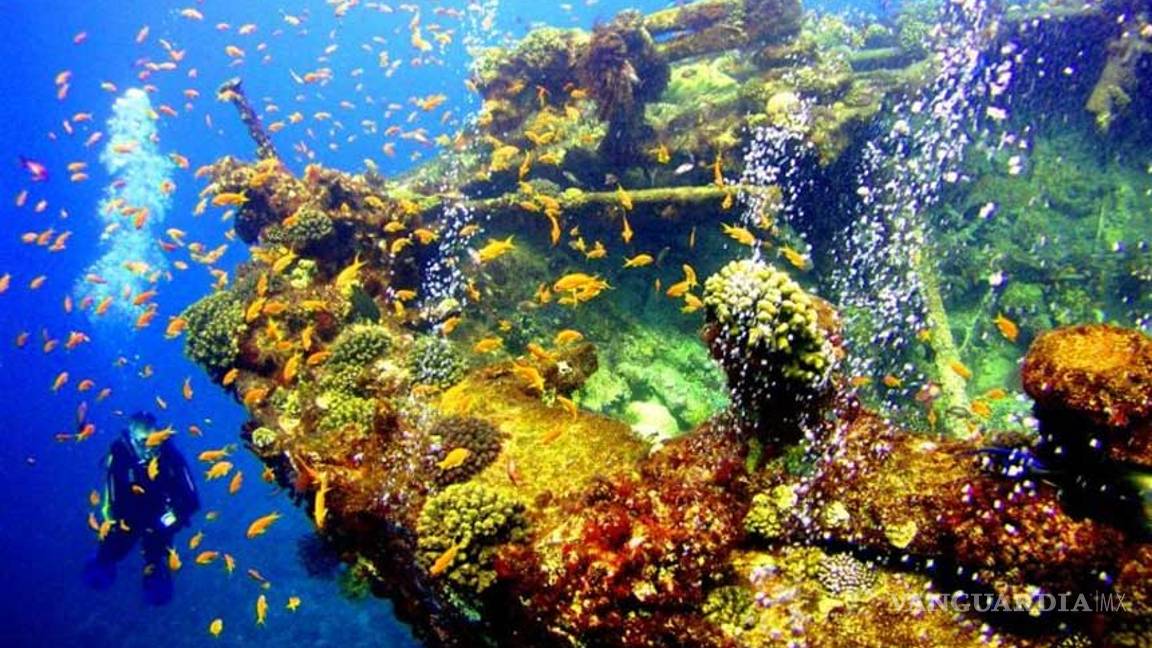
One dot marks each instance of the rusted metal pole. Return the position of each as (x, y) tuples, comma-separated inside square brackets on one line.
[(231, 92)]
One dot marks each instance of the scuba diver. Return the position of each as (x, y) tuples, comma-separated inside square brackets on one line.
[(149, 496)]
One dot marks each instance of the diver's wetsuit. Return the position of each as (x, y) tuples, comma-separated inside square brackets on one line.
[(141, 510)]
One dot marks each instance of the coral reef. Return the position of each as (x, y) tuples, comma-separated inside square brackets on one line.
[(308, 232), (655, 545), (360, 345), (773, 342), (435, 361), (767, 515), (340, 411), (761, 312), (479, 438), (1099, 373), (460, 530), (842, 574), (470, 434), (214, 325)]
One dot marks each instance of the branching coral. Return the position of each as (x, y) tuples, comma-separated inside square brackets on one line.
[(459, 531), (342, 378), (765, 315), (435, 361), (731, 608), (360, 345), (773, 343), (214, 325), (341, 411), (310, 229)]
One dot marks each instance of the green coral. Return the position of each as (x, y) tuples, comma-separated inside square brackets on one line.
[(286, 402), (356, 581), (765, 518), (545, 55), (263, 438), (302, 273), (342, 379), (654, 364), (763, 311), (464, 525), (435, 361), (343, 411), (312, 228), (915, 25), (731, 608), (697, 80), (360, 345), (214, 325)]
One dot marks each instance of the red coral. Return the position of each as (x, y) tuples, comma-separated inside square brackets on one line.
[(1021, 537), (644, 550)]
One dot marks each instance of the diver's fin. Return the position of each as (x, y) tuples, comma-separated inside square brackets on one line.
[(99, 574), (158, 587)]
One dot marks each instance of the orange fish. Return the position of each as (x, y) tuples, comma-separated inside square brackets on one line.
[(160, 436), (254, 396), (1007, 328), (75, 339), (174, 563), (260, 525), (236, 483), (175, 327), (981, 409), (218, 470), (444, 561), (146, 317), (567, 336), (961, 369), (996, 393), (258, 577)]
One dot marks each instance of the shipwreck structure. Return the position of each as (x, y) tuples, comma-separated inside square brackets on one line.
[(432, 434)]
